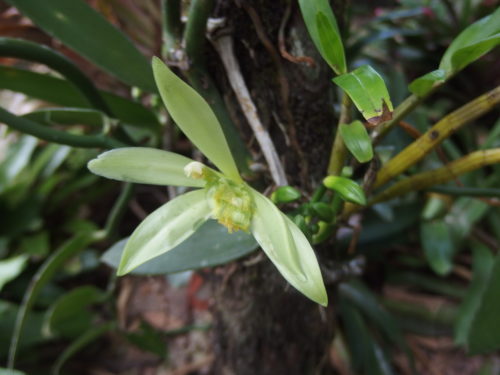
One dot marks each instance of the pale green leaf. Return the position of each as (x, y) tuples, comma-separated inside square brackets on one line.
[(324, 31), (285, 194), (288, 248), (195, 118), (346, 188), (357, 140), (367, 90), (144, 165), (11, 268), (164, 229)]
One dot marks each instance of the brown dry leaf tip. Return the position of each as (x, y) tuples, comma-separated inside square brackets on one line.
[(385, 116)]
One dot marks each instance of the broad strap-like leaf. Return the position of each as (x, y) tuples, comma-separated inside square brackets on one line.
[(357, 140), (84, 30), (195, 118), (164, 229), (367, 90), (145, 166), (324, 31), (288, 248)]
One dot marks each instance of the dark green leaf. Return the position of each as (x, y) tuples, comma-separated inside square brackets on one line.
[(80, 27), (347, 189), (64, 93), (70, 316), (439, 245), (482, 265), (323, 210), (357, 140), (219, 247), (323, 29), (367, 90), (484, 333)]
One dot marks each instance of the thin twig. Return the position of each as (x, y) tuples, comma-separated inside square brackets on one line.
[(224, 45)]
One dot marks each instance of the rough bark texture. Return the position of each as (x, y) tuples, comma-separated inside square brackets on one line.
[(264, 326)]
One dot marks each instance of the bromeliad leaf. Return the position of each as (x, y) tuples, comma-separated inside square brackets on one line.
[(367, 90), (195, 118), (144, 165), (472, 43), (288, 249), (164, 229), (357, 140), (324, 31), (347, 189)]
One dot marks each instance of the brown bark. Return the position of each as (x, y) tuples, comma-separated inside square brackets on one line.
[(263, 325)]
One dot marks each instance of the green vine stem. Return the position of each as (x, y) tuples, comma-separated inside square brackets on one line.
[(118, 209), (171, 26), (339, 150), (22, 49), (57, 136)]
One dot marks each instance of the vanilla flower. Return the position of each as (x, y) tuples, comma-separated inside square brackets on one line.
[(223, 195)]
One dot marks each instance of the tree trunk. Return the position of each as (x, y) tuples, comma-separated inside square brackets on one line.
[(263, 325)]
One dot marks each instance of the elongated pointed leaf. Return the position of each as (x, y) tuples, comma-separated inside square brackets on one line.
[(357, 140), (347, 189), (472, 43), (145, 166), (324, 31), (81, 28), (195, 118), (11, 268), (211, 245), (288, 249), (367, 90), (164, 229), (66, 94)]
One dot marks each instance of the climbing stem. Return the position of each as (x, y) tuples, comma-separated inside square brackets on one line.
[(339, 150)]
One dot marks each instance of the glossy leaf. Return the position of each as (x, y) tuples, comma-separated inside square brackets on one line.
[(65, 94), (472, 43), (285, 194), (144, 165), (367, 90), (288, 249), (347, 189), (323, 29), (164, 229), (439, 245), (357, 140), (81, 28), (195, 118), (209, 246)]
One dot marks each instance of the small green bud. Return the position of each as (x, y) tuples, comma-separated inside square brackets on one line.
[(285, 194)]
